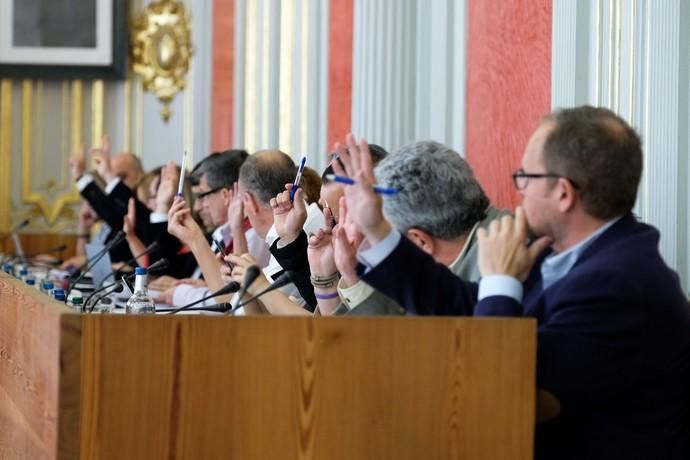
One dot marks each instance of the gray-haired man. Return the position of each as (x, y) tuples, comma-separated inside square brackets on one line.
[(439, 207)]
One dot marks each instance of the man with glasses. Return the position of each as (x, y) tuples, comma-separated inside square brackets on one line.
[(613, 323), (213, 195)]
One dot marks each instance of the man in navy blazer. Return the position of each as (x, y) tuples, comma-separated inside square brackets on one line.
[(613, 322)]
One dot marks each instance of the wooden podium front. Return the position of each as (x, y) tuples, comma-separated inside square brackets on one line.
[(202, 387)]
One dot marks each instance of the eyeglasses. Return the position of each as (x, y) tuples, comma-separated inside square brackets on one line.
[(202, 196), (521, 178)]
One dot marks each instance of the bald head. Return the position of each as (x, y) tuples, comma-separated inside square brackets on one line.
[(127, 167), (265, 174)]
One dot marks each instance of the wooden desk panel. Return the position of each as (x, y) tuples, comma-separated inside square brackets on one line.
[(265, 387)]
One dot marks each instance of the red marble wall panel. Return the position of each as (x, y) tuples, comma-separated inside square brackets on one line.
[(508, 87), (223, 68), (340, 69)]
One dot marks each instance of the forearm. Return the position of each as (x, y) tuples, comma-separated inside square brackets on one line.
[(239, 241), (210, 267)]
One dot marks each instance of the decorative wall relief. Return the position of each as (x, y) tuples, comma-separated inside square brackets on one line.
[(161, 49)]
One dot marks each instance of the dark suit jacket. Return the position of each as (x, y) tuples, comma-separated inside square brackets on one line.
[(613, 341), (113, 207)]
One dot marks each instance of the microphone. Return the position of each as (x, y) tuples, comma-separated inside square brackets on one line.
[(116, 287), (232, 286), (119, 238), (150, 248), (157, 266), (282, 280), (17, 227), (219, 307), (250, 275)]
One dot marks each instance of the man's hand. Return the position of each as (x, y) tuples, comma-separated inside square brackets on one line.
[(240, 264), (289, 216), (320, 250), (182, 225), (346, 241), (170, 177), (77, 164), (503, 248), (364, 203), (130, 220), (236, 210), (101, 158)]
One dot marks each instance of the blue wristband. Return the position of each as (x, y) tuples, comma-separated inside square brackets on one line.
[(326, 296)]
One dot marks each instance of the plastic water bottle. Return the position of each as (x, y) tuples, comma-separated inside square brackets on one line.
[(8, 268), (59, 295), (77, 303), (140, 303), (23, 274), (31, 282), (48, 288)]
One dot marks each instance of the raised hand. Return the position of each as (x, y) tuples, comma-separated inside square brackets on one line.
[(503, 247), (101, 158), (77, 164), (320, 251), (289, 216), (346, 241), (170, 176), (364, 203), (236, 209), (130, 220), (182, 225)]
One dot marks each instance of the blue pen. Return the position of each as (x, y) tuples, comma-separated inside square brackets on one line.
[(298, 178), (346, 180)]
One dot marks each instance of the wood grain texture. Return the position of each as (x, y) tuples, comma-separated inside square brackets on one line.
[(340, 33), (35, 243), (508, 87), (115, 386), (305, 388), (30, 326), (223, 69)]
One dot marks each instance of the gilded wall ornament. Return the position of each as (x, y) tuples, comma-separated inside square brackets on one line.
[(161, 49)]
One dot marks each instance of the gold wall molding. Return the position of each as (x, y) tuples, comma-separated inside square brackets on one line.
[(97, 111), (29, 195), (161, 49), (5, 153)]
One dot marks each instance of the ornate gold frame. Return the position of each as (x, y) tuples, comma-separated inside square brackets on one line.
[(161, 49)]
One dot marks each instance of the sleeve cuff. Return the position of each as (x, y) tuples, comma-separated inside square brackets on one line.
[(374, 255), (158, 217), (111, 185), (83, 181), (500, 285), (353, 296)]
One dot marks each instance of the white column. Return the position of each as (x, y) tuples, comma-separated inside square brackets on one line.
[(409, 71), (281, 77), (633, 56)]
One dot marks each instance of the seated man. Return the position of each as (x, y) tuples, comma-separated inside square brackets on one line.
[(613, 322), (439, 207), (218, 175)]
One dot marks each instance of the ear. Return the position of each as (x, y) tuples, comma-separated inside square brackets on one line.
[(567, 195), (421, 239), (250, 204), (227, 196)]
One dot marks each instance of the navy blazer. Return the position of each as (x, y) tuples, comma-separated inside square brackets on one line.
[(613, 341)]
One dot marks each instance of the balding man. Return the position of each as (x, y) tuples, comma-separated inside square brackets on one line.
[(121, 173)]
